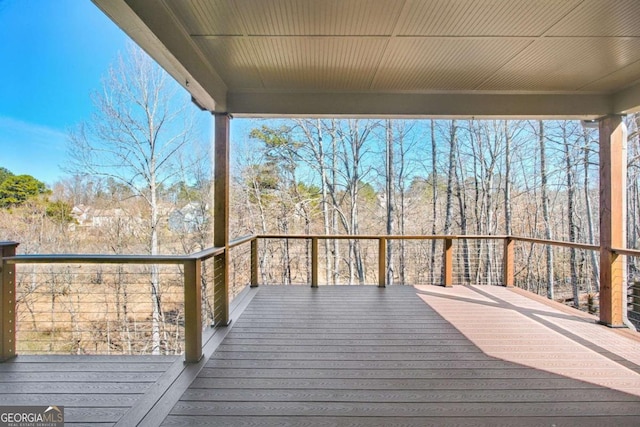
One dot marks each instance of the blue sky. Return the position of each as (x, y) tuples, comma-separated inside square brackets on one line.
[(54, 54)]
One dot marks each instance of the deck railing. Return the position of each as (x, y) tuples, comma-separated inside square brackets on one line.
[(632, 268), (187, 309), (204, 300), (372, 250), (634, 303)]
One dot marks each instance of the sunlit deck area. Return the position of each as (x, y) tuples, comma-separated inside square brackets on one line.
[(360, 355)]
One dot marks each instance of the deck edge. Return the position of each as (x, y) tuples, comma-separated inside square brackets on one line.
[(160, 401)]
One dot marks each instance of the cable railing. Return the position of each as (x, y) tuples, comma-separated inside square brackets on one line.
[(633, 309), (99, 309), (562, 271), (632, 270), (377, 259), (107, 304), (143, 304)]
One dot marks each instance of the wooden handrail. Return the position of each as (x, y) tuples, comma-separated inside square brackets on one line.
[(97, 259), (557, 243), (112, 259), (209, 252), (379, 236), (206, 253), (192, 263), (441, 237), (627, 252), (242, 240)]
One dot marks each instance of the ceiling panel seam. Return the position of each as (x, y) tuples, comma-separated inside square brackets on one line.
[(178, 24), (563, 17), (243, 25), (245, 35), (634, 63), (617, 70), (507, 62), (385, 50)]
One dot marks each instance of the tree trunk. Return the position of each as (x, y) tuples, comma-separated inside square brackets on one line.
[(315, 142), (451, 178), (335, 211), (434, 195), (401, 215), (507, 180), (571, 215), (156, 316), (390, 177), (461, 195), (545, 210), (325, 199), (595, 266)]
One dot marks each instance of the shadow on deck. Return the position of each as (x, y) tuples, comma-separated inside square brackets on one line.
[(361, 356)]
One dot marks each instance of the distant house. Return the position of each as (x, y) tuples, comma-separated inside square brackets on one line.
[(106, 217), (87, 216), (191, 217), (81, 214)]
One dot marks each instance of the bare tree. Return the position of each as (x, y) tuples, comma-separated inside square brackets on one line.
[(391, 203), (451, 177), (406, 163), (595, 267), (314, 144), (507, 179), (353, 150), (545, 209), (434, 195), (138, 127), (571, 208)]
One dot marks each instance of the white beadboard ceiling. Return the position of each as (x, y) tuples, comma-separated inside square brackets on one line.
[(484, 58)]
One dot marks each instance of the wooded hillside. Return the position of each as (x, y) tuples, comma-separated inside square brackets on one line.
[(333, 176)]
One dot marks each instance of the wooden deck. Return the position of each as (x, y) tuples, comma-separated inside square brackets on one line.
[(361, 356), (95, 390)]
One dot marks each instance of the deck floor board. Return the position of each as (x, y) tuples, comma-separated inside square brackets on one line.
[(360, 356), (363, 356), (94, 390)]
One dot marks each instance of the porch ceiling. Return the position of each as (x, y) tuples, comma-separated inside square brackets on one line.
[(438, 58)]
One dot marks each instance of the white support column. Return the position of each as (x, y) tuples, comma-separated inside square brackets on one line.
[(613, 219)]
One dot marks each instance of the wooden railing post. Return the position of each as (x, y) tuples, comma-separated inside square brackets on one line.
[(508, 262), (193, 311), (613, 210), (7, 302), (448, 263), (254, 262), (382, 262), (314, 262)]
